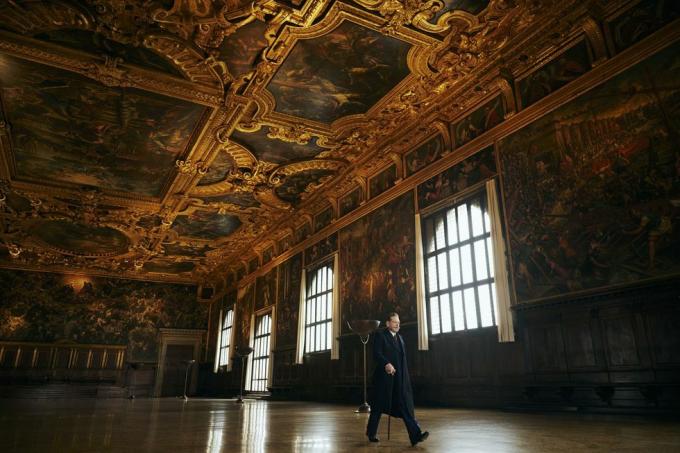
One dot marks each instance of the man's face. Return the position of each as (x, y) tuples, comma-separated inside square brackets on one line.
[(393, 324)]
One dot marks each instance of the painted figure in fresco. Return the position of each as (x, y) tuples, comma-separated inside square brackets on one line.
[(392, 392), (491, 116), (466, 131), (423, 156), (350, 202), (654, 225)]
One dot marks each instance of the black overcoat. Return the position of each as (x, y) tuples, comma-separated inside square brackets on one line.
[(386, 350)]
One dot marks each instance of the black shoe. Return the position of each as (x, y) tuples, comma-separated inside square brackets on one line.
[(424, 435), (373, 439)]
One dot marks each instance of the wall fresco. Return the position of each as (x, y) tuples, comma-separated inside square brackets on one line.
[(377, 264), (592, 189), (42, 307)]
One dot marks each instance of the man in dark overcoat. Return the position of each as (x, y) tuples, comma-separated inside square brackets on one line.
[(392, 393)]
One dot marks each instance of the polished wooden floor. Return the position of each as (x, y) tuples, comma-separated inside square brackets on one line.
[(202, 425)]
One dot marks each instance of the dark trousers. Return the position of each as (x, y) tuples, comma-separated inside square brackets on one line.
[(411, 424)]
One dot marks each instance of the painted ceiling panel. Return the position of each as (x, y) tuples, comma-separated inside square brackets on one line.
[(342, 73), (168, 267), (193, 251), (294, 186), (206, 225), (97, 44), (274, 150), (469, 6), (81, 239), (219, 169), (246, 200), (68, 128), (241, 49)]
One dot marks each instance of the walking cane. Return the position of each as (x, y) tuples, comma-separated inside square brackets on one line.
[(389, 410)]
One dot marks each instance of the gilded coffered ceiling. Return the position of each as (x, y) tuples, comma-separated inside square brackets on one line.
[(180, 140)]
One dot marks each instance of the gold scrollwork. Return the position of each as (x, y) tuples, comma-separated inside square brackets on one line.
[(187, 167), (296, 134)]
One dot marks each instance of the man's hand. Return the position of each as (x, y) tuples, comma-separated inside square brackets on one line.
[(389, 369)]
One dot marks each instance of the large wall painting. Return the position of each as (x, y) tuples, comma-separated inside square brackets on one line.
[(592, 190), (459, 177), (342, 73), (288, 303), (569, 66), (377, 263), (243, 312), (265, 289), (42, 307), (68, 128)]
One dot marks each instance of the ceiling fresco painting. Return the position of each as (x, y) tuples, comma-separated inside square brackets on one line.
[(219, 169), (96, 43), (268, 149), (242, 49), (70, 129), (342, 73), (81, 239), (245, 200), (168, 267), (469, 6), (176, 140), (17, 203), (192, 251), (206, 225), (294, 188)]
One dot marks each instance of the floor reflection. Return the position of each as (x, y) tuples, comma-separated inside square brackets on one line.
[(216, 432), (170, 425), (254, 426)]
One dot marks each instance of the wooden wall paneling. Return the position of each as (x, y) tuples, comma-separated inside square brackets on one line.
[(662, 325)]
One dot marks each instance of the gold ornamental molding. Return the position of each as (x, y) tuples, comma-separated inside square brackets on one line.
[(416, 13), (315, 164)]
